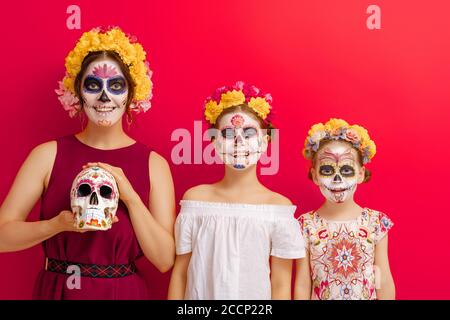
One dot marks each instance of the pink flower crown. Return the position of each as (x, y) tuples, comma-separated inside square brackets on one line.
[(240, 93)]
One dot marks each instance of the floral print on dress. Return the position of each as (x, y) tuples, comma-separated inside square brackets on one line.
[(342, 254)]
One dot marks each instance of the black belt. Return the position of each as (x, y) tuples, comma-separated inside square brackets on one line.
[(91, 270)]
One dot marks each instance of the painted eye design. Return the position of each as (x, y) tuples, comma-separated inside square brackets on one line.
[(326, 170), (106, 191), (250, 132), (227, 133), (92, 84), (347, 171), (117, 85), (84, 190)]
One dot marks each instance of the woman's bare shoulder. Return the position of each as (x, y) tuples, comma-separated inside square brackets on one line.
[(44, 152)]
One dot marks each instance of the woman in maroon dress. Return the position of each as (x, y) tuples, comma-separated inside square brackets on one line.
[(107, 78)]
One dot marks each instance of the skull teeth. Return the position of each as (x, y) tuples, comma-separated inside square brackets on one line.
[(242, 154), (338, 190), (104, 109)]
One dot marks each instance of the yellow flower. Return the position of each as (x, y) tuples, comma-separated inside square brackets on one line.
[(69, 83), (373, 148), (132, 54), (212, 111), (232, 98), (354, 134), (260, 106), (365, 140), (362, 133), (335, 124), (318, 127)]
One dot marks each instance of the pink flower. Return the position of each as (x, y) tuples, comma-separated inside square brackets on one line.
[(132, 38), (351, 136), (239, 85), (105, 29), (268, 97), (149, 71), (218, 94), (68, 100), (250, 91), (141, 106)]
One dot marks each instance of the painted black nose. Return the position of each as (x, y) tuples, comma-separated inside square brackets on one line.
[(238, 139), (93, 200), (337, 178), (104, 97)]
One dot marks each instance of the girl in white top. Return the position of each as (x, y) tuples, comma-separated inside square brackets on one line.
[(235, 239)]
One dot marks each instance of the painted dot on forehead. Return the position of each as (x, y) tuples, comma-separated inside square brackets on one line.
[(237, 121), (104, 71)]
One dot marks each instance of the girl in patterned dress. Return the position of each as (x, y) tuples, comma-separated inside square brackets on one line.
[(347, 245)]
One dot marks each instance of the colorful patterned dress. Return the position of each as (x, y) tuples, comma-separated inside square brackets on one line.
[(342, 254)]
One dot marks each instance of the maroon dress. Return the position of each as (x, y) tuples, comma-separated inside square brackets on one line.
[(113, 247)]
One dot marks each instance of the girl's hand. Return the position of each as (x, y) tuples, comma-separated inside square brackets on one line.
[(65, 221), (126, 191)]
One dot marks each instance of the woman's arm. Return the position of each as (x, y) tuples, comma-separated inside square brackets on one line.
[(384, 282), (281, 278), (302, 287), (153, 225), (15, 233), (177, 286), (155, 231)]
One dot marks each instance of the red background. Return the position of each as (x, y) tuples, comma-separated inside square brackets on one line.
[(318, 60)]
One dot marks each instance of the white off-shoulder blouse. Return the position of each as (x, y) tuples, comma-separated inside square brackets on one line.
[(231, 244)]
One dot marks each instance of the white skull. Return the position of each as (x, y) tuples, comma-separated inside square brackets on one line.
[(94, 199)]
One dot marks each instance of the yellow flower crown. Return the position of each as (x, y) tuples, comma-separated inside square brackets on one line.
[(131, 53), (338, 129), (240, 93)]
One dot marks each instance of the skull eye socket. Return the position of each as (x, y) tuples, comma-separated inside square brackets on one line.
[(250, 132), (326, 170), (106, 191), (84, 190), (92, 84), (228, 133), (347, 171)]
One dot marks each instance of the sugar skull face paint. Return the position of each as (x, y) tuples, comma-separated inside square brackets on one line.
[(240, 140), (104, 92), (337, 171)]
